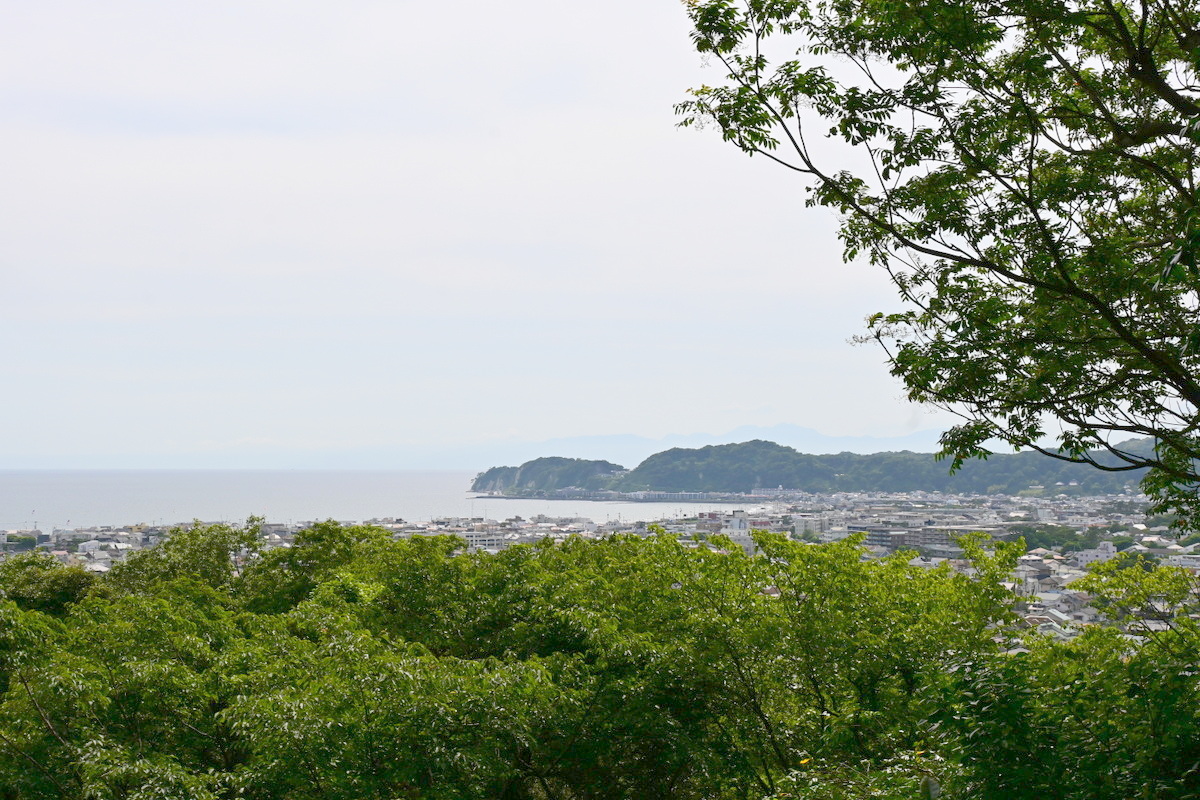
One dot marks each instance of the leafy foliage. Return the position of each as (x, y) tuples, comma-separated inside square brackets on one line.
[(37, 581), (1026, 173), (353, 665)]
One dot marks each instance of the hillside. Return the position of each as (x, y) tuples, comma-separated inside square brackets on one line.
[(760, 464), (547, 474)]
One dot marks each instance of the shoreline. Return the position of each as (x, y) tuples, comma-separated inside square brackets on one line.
[(577, 498)]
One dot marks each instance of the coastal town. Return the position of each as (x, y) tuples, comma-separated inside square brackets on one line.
[(926, 525)]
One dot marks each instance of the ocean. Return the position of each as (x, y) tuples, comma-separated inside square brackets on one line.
[(49, 499)]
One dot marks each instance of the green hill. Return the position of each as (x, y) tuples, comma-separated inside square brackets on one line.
[(547, 474), (760, 464)]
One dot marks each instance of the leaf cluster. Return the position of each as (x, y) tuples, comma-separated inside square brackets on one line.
[(355, 665), (1025, 172)]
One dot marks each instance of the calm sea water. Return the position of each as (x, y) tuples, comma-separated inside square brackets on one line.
[(76, 498)]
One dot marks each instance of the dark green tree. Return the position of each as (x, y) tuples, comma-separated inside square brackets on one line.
[(588, 670), (1025, 171), (39, 582), (1107, 716), (205, 553)]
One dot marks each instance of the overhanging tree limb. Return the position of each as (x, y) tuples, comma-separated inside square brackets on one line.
[(1021, 157)]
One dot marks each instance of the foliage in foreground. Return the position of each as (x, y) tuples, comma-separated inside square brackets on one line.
[(1025, 171), (354, 666)]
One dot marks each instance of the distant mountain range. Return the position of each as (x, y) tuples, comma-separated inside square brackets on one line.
[(759, 464)]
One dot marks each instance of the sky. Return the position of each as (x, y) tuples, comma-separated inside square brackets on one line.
[(269, 234)]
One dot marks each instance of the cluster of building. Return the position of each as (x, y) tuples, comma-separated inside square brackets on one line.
[(927, 523)]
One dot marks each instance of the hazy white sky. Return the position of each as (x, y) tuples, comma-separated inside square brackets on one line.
[(233, 227)]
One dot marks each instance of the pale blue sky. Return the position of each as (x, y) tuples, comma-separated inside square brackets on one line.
[(253, 233)]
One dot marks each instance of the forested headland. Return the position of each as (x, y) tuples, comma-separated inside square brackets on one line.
[(547, 474), (353, 665), (760, 464)]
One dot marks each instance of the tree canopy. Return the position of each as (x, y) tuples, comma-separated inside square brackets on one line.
[(1025, 172), (353, 665)]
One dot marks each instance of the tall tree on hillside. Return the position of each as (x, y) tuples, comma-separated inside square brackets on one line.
[(1025, 171)]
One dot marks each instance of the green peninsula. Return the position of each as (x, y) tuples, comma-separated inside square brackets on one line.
[(760, 464), (547, 475)]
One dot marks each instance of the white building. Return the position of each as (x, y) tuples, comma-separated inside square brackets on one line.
[(1105, 551)]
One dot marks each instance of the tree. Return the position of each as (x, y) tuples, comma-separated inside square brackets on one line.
[(279, 579), (38, 581), (625, 667), (205, 553), (1106, 716), (1025, 172)]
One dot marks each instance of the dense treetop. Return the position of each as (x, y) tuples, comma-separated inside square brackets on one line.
[(1025, 172), (357, 666)]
